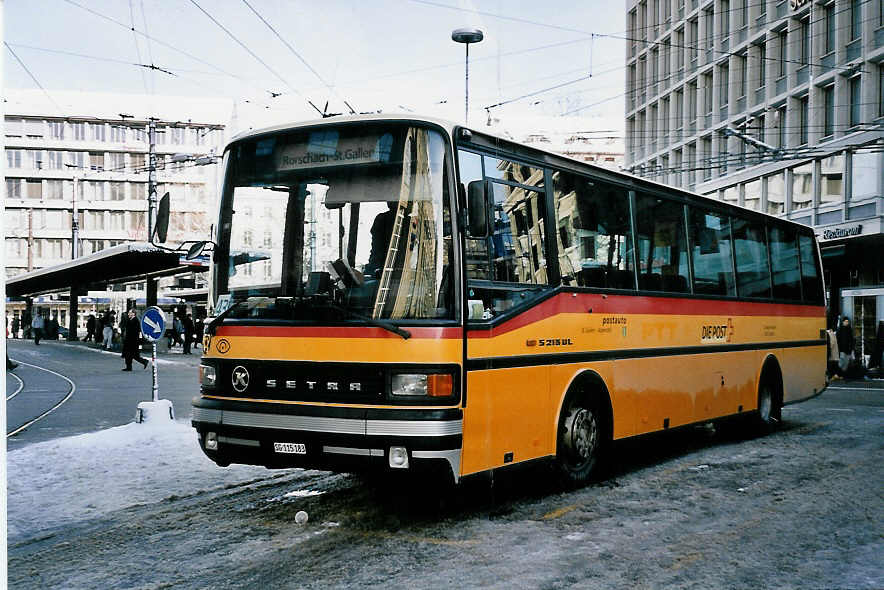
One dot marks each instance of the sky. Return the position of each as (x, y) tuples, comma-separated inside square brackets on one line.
[(554, 60)]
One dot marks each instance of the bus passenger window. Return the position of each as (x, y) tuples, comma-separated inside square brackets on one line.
[(711, 253), (750, 248), (811, 286), (593, 232), (662, 245), (784, 262)]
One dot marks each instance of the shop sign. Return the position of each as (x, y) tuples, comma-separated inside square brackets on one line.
[(843, 232)]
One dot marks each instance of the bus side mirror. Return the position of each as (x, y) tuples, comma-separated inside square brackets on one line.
[(477, 208), (161, 224)]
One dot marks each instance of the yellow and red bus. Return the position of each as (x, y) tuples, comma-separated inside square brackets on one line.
[(406, 294)]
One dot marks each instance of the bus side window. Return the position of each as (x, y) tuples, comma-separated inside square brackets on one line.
[(593, 232), (750, 248), (711, 253), (811, 285), (662, 245), (784, 262), (477, 265)]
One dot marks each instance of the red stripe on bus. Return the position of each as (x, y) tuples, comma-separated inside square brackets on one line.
[(336, 332), (623, 304)]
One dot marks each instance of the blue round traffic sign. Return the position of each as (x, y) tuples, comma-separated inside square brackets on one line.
[(153, 323)]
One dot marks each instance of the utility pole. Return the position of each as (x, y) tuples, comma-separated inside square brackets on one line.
[(75, 214), (151, 177), (30, 239)]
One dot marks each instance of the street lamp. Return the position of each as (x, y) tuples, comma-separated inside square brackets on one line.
[(467, 36)]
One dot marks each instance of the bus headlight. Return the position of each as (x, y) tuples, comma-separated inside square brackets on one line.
[(207, 375), (422, 384)]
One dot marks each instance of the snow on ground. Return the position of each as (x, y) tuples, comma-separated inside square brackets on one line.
[(72, 479)]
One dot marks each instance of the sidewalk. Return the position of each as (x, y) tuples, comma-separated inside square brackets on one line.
[(163, 352)]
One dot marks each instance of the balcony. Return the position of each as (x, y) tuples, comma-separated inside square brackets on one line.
[(879, 37), (802, 75), (827, 62), (741, 104), (759, 96), (722, 113), (854, 49), (707, 120), (725, 44), (741, 35), (780, 86), (760, 22)]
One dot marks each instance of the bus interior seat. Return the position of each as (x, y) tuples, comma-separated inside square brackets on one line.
[(675, 283), (592, 277), (621, 279), (650, 282)]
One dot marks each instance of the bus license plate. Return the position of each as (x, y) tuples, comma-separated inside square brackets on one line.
[(290, 448)]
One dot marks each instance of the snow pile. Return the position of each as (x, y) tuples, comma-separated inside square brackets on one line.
[(73, 479)]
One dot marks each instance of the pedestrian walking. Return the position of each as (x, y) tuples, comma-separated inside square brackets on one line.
[(15, 327), (37, 325), (132, 341), (846, 344), (187, 326)]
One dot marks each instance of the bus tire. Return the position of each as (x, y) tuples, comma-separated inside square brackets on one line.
[(581, 439), (767, 415)]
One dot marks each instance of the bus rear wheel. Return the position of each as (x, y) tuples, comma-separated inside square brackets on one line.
[(580, 441), (766, 416)]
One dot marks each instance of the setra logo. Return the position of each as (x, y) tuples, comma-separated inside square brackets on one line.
[(223, 346), (240, 378)]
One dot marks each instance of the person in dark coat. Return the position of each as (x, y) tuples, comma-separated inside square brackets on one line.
[(132, 341), (846, 345), (381, 232), (187, 326), (90, 328)]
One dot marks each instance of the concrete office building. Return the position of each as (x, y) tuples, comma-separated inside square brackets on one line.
[(775, 105), (99, 143)]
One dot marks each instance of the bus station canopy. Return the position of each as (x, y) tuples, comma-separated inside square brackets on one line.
[(125, 263)]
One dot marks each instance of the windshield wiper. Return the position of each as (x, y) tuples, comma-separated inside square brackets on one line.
[(373, 322)]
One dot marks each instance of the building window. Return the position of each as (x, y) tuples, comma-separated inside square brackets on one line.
[(829, 111), (762, 65), (725, 18), (855, 101), (118, 134), (13, 188), (830, 27), (56, 160), (13, 158), (881, 88), (723, 86), (56, 129), (856, 19), (776, 193), (96, 160), (77, 159), (35, 189), (177, 135), (744, 73), (804, 30), (802, 186), (117, 161), (35, 159), (117, 191), (781, 58), (832, 179), (78, 131), (781, 127), (97, 132), (14, 128), (802, 120), (54, 189)]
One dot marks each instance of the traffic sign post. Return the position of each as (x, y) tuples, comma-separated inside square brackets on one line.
[(153, 326)]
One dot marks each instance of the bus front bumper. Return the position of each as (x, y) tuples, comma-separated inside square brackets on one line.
[(329, 437)]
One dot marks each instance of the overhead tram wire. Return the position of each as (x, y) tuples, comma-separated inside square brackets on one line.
[(153, 39), (34, 78), (253, 54), (298, 55), (135, 39)]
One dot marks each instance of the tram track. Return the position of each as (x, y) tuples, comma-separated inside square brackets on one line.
[(32, 421), (21, 385)]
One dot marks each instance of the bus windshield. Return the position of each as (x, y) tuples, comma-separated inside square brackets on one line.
[(336, 224)]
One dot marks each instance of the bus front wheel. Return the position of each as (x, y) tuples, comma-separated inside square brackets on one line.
[(580, 441)]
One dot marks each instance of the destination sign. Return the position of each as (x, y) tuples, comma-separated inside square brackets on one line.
[(328, 149)]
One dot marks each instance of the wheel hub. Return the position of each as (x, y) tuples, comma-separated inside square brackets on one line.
[(581, 433)]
